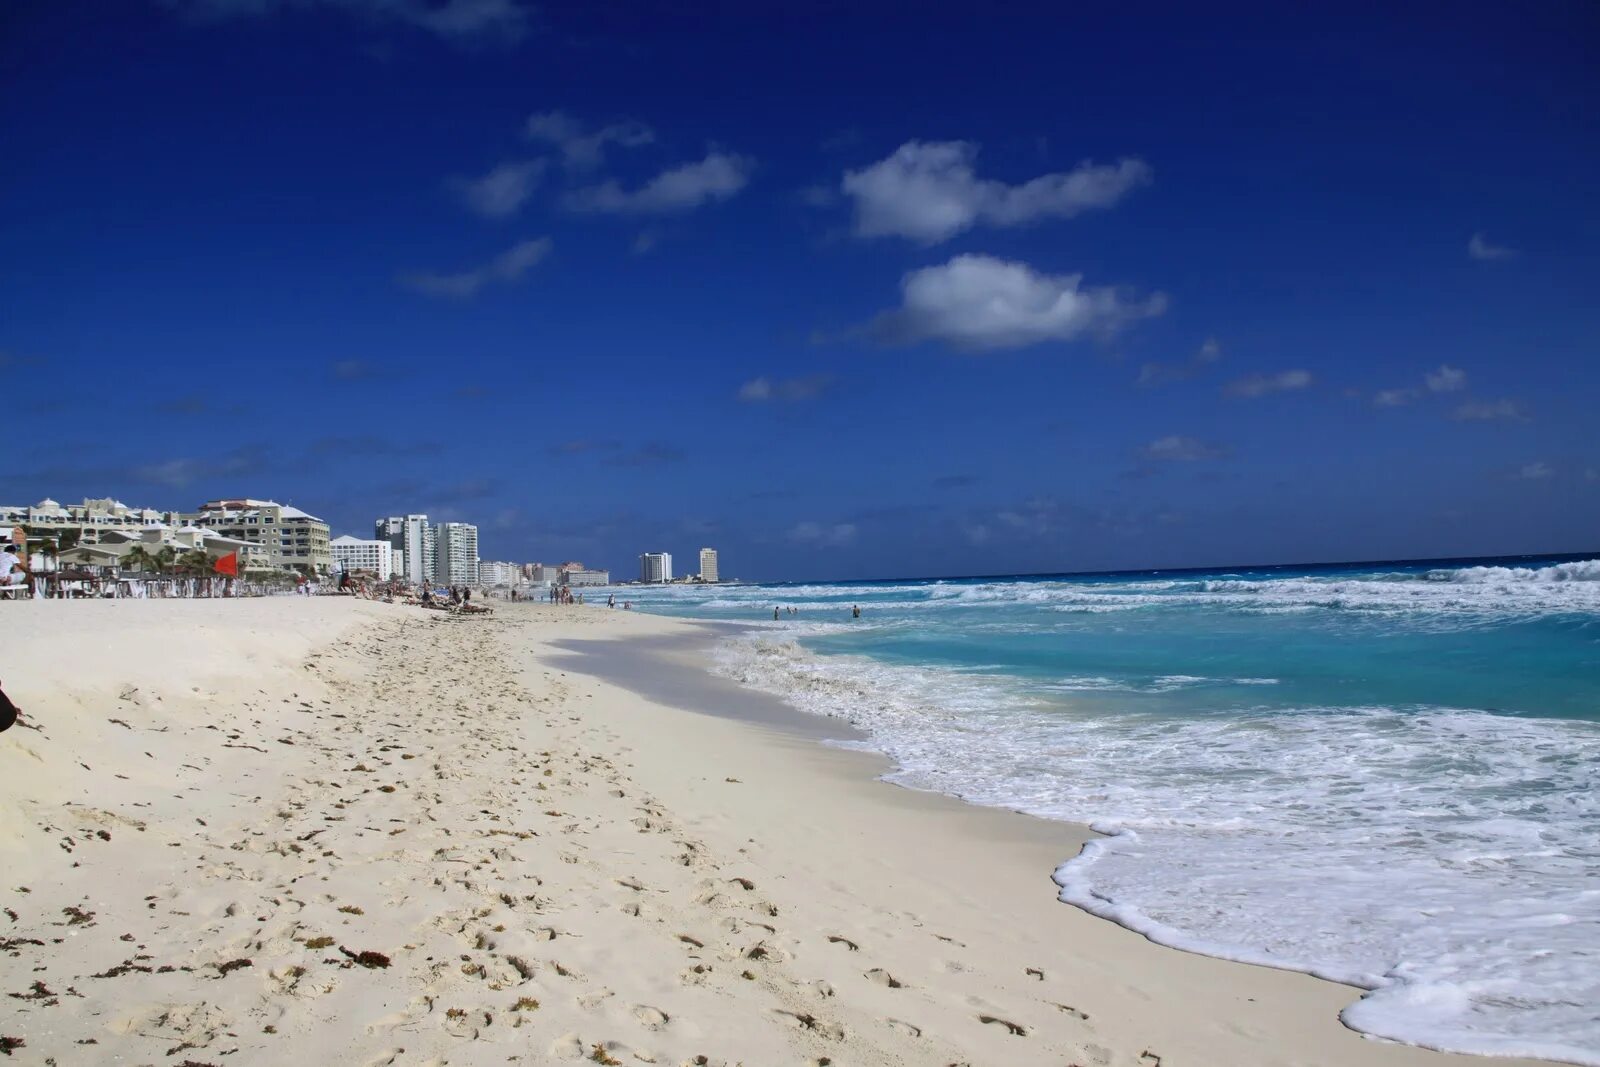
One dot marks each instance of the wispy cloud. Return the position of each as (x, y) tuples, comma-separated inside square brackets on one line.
[(1446, 379), (718, 176), (1178, 449), (1155, 374), (463, 21), (928, 191), (1536, 472), (1394, 398), (823, 535), (1490, 411), (354, 370), (764, 389), (181, 472), (1252, 386), (508, 266), (1480, 249), (581, 148), (501, 192), (978, 303)]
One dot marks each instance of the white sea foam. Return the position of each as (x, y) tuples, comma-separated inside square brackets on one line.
[(1441, 858), (1446, 598)]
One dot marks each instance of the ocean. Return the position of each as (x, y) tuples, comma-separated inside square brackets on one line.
[(1384, 774)]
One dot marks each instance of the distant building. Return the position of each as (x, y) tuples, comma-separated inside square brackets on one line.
[(575, 573), (708, 565), (397, 562), (412, 535), (354, 554), (89, 522), (294, 540), (495, 572), (455, 553), (655, 567)]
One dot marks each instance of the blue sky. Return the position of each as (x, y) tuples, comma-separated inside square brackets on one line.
[(849, 294)]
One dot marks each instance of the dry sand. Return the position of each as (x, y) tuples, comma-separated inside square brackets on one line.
[(322, 831)]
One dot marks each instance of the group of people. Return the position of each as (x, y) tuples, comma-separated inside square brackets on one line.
[(563, 595), (779, 612)]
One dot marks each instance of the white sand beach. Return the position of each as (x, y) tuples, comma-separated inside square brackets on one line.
[(326, 831)]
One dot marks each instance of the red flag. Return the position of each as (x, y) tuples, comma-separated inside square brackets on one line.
[(228, 564)]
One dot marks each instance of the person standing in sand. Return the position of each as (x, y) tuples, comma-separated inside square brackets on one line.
[(13, 572)]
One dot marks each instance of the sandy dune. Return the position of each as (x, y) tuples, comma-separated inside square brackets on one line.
[(333, 832)]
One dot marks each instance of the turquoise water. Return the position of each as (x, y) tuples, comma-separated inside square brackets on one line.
[(1384, 774)]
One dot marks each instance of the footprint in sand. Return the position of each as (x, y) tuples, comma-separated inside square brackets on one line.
[(807, 1021), (567, 1047), (882, 977), (590, 1001), (461, 1022), (903, 1027), (650, 1018)]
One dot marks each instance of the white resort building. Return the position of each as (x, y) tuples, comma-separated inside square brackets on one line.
[(708, 565), (655, 567), (353, 554), (294, 540), (456, 553)]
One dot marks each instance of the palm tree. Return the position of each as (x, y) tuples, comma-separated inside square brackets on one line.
[(165, 558), (195, 562), (140, 558)]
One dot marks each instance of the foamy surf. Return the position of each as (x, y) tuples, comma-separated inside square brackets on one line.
[(1337, 790)]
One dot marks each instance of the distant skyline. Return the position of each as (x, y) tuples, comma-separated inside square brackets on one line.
[(846, 295)]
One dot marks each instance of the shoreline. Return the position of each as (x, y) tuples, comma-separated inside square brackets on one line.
[(466, 799)]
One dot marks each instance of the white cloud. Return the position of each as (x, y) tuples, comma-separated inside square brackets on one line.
[(1393, 398), (1153, 374), (1175, 448), (460, 20), (646, 241), (1479, 248), (717, 177), (1490, 411), (1446, 379), (822, 535), (502, 192), (508, 266), (581, 149), (1536, 472), (760, 390), (927, 191), (979, 302), (1256, 385)]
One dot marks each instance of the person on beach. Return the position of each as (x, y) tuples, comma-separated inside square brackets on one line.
[(855, 611), (774, 614), (9, 712), (13, 572), (611, 601)]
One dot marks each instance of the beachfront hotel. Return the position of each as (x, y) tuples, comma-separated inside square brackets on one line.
[(708, 565), (294, 540), (353, 554), (497, 572), (455, 553), (655, 567), (574, 573), (414, 538)]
